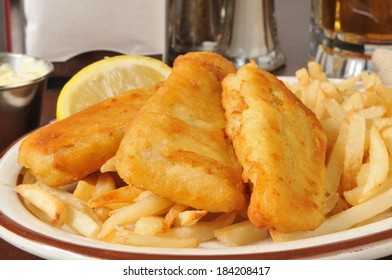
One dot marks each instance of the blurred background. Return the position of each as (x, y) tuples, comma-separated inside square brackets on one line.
[(74, 33), (281, 35)]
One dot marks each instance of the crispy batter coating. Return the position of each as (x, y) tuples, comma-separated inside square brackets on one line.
[(68, 150), (176, 146), (281, 147)]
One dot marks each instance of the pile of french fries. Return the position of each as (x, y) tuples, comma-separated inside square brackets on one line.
[(356, 114), (100, 207)]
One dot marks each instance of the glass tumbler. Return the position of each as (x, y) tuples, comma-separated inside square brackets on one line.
[(194, 25)]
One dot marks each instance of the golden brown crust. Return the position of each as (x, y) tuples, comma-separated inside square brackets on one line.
[(281, 147), (176, 146), (70, 149)]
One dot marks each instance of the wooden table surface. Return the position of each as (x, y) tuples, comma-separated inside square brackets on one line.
[(293, 31)]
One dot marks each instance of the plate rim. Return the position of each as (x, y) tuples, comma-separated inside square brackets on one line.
[(329, 250)]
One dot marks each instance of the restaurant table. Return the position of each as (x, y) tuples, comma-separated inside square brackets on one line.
[(293, 19)]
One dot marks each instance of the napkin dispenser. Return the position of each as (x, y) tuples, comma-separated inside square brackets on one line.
[(74, 32)]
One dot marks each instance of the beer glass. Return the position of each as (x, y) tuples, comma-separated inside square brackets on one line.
[(358, 21), (352, 30)]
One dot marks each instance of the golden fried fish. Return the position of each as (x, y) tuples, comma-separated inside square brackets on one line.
[(176, 146), (68, 150), (281, 147)]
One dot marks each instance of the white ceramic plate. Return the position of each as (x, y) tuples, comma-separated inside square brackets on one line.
[(20, 228)]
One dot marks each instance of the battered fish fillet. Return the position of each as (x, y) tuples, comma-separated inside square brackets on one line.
[(176, 146), (281, 147), (70, 149)]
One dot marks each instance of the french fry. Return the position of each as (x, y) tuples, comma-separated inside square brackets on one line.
[(381, 123), (319, 108), (102, 213), (149, 225), (384, 215), (143, 195), (240, 234), (172, 215), (354, 103), (190, 217), (37, 212), (27, 177), (336, 159), (84, 190), (69, 199), (344, 220), (115, 206), (331, 128), (340, 206), (354, 151), (330, 90), (386, 93), (311, 95), (348, 84), (387, 136), (316, 72), (202, 231), (54, 209), (335, 110), (82, 223), (126, 194), (363, 174), (353, 198), (135, 239), (130, 214), (373, 112), (109, 166), (378, 169), (372, 97), (105, 183), (370, 80), (303, 77), (331, 200)]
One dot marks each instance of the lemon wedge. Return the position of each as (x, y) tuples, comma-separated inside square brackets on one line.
[(107, 78)]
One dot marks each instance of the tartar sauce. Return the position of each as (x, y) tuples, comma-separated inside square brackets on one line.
[(28, 69)]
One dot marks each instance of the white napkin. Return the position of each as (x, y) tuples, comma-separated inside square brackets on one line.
[(382, 62), (57, 30)]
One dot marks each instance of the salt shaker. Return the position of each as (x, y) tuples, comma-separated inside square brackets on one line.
[(250, 33)]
